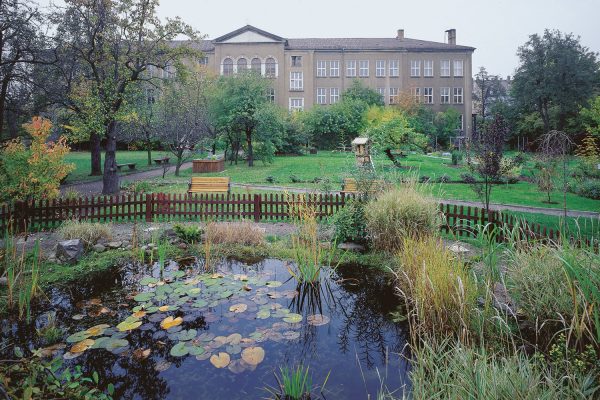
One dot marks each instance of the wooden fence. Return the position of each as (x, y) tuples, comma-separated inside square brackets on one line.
[(44, 214)]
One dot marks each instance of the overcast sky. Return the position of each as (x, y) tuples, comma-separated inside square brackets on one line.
[(495, 28)]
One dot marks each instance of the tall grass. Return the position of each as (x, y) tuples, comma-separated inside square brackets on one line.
[(89, 232), (244, 232), (295, 384)]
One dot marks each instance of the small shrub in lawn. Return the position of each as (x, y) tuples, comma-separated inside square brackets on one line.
[(424, 179), (444, 179), (349, 223), (271, 179), (295, 179), (188, 233), (588, 188), (245, 233), (457, 157), (399, 213), (89, 232), (468, 178)]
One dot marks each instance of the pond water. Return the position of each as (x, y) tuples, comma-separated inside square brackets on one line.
[(223, 335)]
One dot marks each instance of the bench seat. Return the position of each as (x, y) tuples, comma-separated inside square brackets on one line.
[(202, 184), (351, 186)]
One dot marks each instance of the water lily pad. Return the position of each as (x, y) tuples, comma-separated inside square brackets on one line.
[(263, 314), (139, 314), (233, 349), (129, 324), (187, 335), (238, 308), (292, 318), (317, 319), (97, 330), (179, 350), (225, 294), (69, 356), (234, 338), (194, 292), (144, 296), (78, 337), (141, 354), (204, 356), (291, 335), (162, 365), (237, 366), (206, 336), (170, 322), (196, 350), (82, 346), (114, 344), (200, 304), (220, 360), (147, 280), (253, 355), (100, 343)]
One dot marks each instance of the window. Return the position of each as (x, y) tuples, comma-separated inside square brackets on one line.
[(242, 64), (381, 91), (363, 68), (271, 95), (255, 65), (380, 68), (445, 95), (394, 68), (296, 61), (415, 68), (458, 95), (296, 103), (351, 68), (321, 68), (428, 95), (227, 66), (296, 81), (458, 67), (334, 95), (461, 125), (321, 95), (416, 94), (428, 68), (445, 68), (203, 61), (394, 95), (334, 69), (270, 68)]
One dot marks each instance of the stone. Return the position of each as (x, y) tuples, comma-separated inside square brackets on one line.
[(351, 246), (182, 246), (98, 248), (458, 248), (69, 251), (113, 245), (129, 247)]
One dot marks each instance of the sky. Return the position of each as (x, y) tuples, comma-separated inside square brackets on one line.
[(496, 28)]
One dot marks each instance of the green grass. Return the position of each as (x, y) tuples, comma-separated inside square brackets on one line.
[(81, 159)]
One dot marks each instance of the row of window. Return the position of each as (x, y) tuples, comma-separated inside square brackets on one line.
[(392, 67), (420, 96), (268, 68)]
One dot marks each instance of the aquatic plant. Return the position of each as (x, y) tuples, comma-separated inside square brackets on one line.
[(162, 255), (295, 383), (188, 233), (50, 332)]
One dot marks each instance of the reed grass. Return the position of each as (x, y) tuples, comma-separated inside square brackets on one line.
[(242, 233), (295, 384), (89, 232)]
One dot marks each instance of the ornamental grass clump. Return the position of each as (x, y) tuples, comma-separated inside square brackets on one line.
[(89, 232), (400, 213)]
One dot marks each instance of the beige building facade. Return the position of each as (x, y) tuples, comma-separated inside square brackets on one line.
[(315, 71)]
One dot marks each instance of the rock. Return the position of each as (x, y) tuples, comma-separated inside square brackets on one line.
[(69, 251), (446, 154), (3, 281), (98, 248), (458, 248), (113, 245), (351, 246), (182, 246), (129, 247)]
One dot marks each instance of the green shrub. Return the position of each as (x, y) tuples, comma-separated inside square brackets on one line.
[(271, 179), (349, 223), (399, 213), (188, 233), (457, 157), (468, 178), (588, 188), (89, 232), (444, 179)]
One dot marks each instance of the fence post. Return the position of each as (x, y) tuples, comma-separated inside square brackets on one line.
[(149, 197), (257, 207), (20, 216)]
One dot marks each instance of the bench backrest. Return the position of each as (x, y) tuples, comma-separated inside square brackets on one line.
[(351, 186), (209, 184)]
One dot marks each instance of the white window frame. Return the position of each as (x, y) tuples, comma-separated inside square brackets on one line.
[(296, 104), (275, 65), (296, 81), (271, 95), (461, 120), (232, 65), (334, 68), (363, 68), (459, 69), (415, 68), (428, 95), (445, 68), (334, 95), (444, 95), (428, 68), (458, 95), (416, 94), (351, 68), (380, 68), (321, 68), (394, 68), (394, 95), (381, 91), (321, 95), (296, 61)]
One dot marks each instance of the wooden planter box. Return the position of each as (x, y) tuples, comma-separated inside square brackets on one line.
[(206, 166)]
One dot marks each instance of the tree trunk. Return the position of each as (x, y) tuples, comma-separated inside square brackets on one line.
[(178, 164), (249, 144), (3, 92), (110, 181), (214, 148), (388, 153), (96, 155)]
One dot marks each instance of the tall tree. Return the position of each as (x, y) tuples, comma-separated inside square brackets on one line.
[(488, 90), (556, 76), (115, 43), (358, 91)]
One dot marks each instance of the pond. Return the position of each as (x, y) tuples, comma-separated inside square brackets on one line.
[(182, 334)]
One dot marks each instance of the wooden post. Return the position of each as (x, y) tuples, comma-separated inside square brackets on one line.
[(257, 207), (149, 198)]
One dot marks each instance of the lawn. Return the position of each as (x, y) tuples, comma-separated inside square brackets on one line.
[(81, 159)]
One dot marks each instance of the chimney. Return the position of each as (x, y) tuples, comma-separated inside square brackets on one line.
[(451, 34), (400, 34)]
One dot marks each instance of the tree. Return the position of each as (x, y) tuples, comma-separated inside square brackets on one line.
[(446, 124), (358, 91), (34, 172), (487, 149), (556, 76), (236, 105), (487, 91), (114, 44), (389, 130), (591, 117)]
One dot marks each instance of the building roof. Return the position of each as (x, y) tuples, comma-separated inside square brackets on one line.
[(336, 44)]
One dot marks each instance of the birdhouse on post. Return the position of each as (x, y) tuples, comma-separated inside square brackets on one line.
[(362, 151)]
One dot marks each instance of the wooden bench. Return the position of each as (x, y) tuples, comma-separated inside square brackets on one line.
[(202, 184), (164, 160), (351, 186), (130, 165)]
